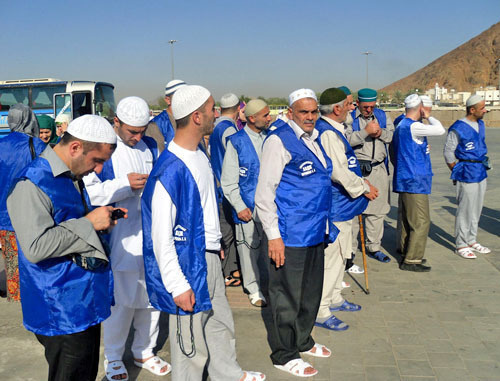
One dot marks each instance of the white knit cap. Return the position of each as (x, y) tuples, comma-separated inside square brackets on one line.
[(474, 100), (173, 86), (62, 118), (133, 111), (229, 100), (92, 128), (412, 100), (187, 99), (426, 100), (300, 94)]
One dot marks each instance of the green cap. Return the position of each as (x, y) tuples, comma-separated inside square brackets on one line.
[(332, 96), (367, 95)]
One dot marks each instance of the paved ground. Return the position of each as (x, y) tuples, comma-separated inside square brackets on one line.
[(442, 325)]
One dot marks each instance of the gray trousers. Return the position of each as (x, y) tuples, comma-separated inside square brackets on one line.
[(470, 197), (213, 333), (230, 261), (251, 243), (415, 223)]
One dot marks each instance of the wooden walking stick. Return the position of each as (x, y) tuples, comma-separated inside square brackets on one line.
[(363, 250)]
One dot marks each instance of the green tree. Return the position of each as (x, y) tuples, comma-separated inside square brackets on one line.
[(383, 97), (398, 97)]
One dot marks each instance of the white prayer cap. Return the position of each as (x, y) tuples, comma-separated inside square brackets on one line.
[(254, 106), (173, 86), (187, 99), (62, 118), (474, 100), (300, 94), (229, 100), (92, 128), (426, 100), (412, 100), (133, 111)]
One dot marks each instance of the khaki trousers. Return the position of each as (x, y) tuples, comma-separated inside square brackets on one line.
[(415, 224)]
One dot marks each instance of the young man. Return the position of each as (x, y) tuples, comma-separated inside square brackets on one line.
[(182, 248)]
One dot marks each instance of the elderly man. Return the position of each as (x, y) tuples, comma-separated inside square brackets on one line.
[(225, 126), (162, 126), (62, 122), (182, 247), (371, 130), (350, 195), (121, 183), (292, 200), (62, 262), (465, 153), (413, 180), (240, 172)]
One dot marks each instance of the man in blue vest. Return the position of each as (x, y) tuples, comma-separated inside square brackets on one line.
[(350, 195), (182, 247), (66, 282), (413, 180), (240, 172), (162, 126), (465, 153), (369, 133), (293, 200), (225, 126), (121, 183)]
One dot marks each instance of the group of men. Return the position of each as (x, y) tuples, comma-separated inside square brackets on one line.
[(290, 192)]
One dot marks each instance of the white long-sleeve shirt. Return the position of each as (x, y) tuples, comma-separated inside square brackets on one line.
[(164, 213), (420, 130)]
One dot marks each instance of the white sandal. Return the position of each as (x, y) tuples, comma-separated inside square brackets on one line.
[(154, 365), (355, 269), (466, 252), (297, 368), (253, 376), (318, 352), (346, 284), (478, 248), (115, 368)]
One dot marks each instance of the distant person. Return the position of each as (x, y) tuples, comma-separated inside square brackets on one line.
[(182, 249), (240, 172), (413, 180), (64, 266), (19, 148), (465, 153), (370, 132), (62, 121), (162, 126), (47, 129)]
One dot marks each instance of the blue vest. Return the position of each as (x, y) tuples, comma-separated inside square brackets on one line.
[(15, 154), (304, 194), (344, 207), (188, 233), (412, 169), (217, 150), (399, 119), (108, 173), (471, 146), (249, 170), (162, 120), (57, 296)]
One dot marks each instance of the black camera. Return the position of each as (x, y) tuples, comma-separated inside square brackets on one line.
[(117, 214)]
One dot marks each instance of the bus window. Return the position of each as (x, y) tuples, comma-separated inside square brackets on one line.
[(104, 99), (63, 105), (42, 96), (81, 104), (11, 95)]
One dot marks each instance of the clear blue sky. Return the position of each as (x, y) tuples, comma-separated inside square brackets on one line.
[(266, 48)]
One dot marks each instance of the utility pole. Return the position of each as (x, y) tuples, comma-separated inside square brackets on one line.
[(367, 53), (172, 42)]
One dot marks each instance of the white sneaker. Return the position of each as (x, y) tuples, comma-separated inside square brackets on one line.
[(355, 269)]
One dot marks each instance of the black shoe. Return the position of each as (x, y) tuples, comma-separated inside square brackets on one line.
[(417, 267)]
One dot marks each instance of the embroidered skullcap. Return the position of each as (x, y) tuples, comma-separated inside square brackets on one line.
[(426, 100), (92, 128), (474, 100), (412, 100), (187, 99), (367, 95), (62, 118), (173, 86), (301, 94), (133, 111), (229, 100), (332, 96), (345, 89), (254, 106)]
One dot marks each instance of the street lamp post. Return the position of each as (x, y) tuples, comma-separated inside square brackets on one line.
[(171, 42), (367, 53)]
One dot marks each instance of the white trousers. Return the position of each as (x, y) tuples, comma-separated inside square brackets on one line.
[(470, 197)]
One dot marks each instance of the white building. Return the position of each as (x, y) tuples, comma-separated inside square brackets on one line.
[(490, 94)]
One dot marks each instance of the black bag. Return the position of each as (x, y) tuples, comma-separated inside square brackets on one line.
[(366, 167)]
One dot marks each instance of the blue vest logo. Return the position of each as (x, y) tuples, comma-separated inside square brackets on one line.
[(352, 162), (179, 232), (307, 168), (469, 146), (243, 172), (428, 149)]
